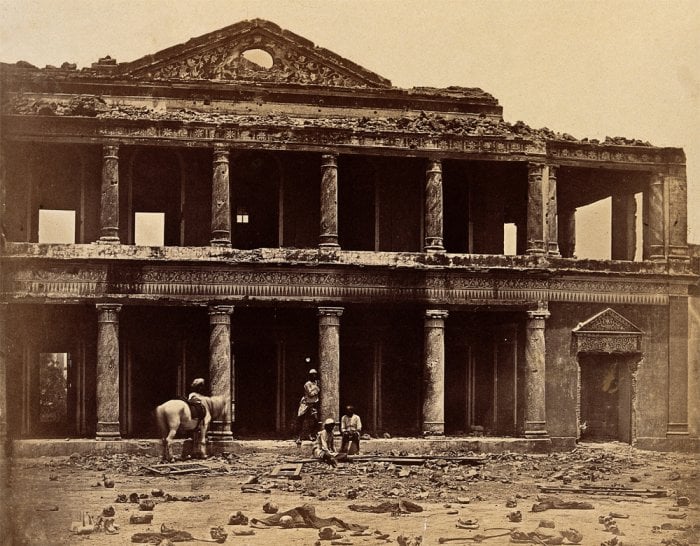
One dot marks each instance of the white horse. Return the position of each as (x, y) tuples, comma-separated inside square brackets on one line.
[(175, 415)]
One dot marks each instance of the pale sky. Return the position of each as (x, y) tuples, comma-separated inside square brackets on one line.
[(590, 69)]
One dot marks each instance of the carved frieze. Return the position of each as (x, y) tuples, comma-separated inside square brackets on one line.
[(189, 283)]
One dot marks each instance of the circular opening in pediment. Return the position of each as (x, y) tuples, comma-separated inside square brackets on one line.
[(259, 57)]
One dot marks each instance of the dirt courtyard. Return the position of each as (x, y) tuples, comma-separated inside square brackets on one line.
[(46, 495)]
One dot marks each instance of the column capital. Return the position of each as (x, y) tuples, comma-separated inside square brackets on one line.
[(535, 168), (220, 314), (541, 313), (330, 311), (221, 152), (434, 166), (329, 159), (110, 151), (108, 312), (439, 314)]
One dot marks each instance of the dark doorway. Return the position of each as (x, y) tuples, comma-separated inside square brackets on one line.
[(254, 200), (605, 397), (256, 384)]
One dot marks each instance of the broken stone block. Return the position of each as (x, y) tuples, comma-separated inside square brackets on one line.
[(547, 523), (511, 503), (157, 492), (286, 521), (682, 501)]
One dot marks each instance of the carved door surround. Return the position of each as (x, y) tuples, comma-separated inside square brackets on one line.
[(608, 335)]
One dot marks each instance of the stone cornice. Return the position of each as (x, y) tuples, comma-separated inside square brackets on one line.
[(69, 129), (184, 283)]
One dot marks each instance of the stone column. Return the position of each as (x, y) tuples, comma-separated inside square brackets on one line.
[(623, 227), (329, 360), (656, 215), (694, 365), (329, 201), (433, 207), (567, 233), (433, 422), (535, 375), (220, 369), (678, 316), (109, 203), (536, 209), (552, 213), (220, 199), (678, 214), (107, 379), (4, 348)]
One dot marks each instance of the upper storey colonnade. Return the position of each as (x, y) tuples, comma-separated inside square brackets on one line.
[(441, 204)]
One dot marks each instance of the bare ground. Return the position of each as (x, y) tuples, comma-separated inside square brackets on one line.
[(46, 495)]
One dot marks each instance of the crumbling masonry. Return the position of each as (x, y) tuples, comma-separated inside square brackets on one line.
[(306, 209)]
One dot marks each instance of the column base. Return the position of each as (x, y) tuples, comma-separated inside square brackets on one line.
[(108, 241), (329, 246), (219, 439), (434, 428), (535, 434), (107, 431), (677, 429), (220, 242), (434, 249)]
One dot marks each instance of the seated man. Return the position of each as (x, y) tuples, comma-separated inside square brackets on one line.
[(324, 448), (351, 429)]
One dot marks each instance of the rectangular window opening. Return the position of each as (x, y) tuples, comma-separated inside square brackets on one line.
[(242, 215), (639, 228), (510, 239), (594, 230), (149, 229), (56, 226)]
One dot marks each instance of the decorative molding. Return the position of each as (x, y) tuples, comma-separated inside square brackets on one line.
[(646, 155), (31, 279), (607, 332)]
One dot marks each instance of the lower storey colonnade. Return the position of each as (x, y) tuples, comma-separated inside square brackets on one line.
[(98, 371)]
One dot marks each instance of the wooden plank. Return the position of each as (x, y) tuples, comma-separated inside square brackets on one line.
[(590, 490)]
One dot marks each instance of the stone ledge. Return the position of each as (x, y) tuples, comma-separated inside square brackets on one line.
[(684, 444), (148, 447)]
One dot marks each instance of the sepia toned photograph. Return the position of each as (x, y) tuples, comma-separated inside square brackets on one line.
[(349, 273)]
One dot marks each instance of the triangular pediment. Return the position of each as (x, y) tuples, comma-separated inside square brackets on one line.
[(607, 321), (219, 56)]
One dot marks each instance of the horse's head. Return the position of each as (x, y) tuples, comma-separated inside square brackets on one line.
[(216, 405)]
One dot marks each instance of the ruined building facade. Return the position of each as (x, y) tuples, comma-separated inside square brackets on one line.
[(247, 205)]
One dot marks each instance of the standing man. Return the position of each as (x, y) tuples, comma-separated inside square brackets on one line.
[(350, 428), (308, 406)]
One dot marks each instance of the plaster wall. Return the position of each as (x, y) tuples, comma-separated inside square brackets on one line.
[(652, 387)]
